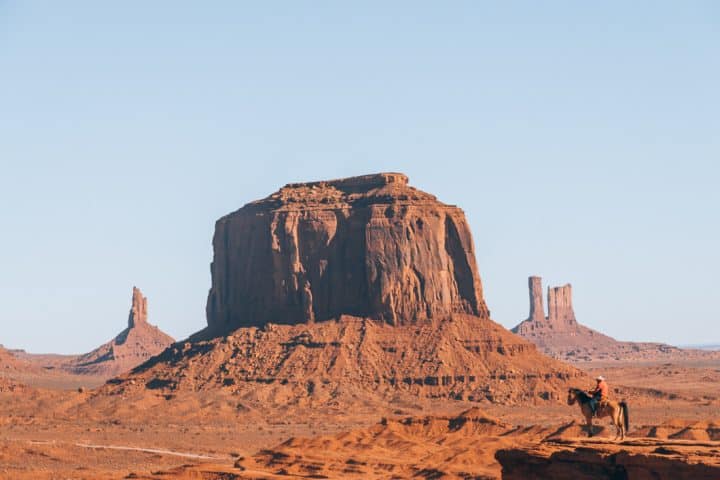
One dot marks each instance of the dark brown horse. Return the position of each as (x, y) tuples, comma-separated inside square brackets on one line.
[(617, 411)]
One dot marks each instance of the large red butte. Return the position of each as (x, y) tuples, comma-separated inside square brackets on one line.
[(369, 246)]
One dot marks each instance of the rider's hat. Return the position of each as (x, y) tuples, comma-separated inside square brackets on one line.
[(600, 378)]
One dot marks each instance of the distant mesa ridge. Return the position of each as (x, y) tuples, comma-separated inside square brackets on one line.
[(370, 246)]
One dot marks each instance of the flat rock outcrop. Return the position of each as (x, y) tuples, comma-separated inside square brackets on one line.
[(133, 346), (642, 459), (369, 246), (561, 336)]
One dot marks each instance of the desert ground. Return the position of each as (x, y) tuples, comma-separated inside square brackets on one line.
[(46, 433)]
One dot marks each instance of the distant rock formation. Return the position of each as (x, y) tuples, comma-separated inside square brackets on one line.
[(369, 246), (138, 311), (561, 336), (537, 310), (134, 345), (560, 309), (560, 318)]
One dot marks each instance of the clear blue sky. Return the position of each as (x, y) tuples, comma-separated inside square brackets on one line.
[(582, 139)]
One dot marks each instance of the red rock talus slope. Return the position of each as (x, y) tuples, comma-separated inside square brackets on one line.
[(561, 336), (369, 246), (329, 363), (641, 459), (134, 345)]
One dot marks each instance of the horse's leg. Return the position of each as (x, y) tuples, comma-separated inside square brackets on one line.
[(588, 421), (617, 422)]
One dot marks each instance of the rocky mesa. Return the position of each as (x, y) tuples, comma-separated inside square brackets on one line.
[(370, 247)]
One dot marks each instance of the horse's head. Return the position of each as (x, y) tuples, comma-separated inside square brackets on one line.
[(572, 396)]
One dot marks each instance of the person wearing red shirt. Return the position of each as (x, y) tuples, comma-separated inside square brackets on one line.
[(599, 394)]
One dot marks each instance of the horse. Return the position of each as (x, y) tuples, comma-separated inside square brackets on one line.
[(617, 411)]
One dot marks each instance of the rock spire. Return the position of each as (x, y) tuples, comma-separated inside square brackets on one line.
[(537, 311), (138, 310), (560, 309)]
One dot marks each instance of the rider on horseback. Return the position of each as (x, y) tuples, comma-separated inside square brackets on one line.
[(599, 394)]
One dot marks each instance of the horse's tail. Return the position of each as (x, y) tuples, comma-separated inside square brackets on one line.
[(625, 414)]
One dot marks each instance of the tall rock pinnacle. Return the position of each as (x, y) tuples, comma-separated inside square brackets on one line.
[(138, 311), (537, 311), (369, 246), (560, 309)]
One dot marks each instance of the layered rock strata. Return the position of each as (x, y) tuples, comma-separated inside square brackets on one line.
[(369, 246)]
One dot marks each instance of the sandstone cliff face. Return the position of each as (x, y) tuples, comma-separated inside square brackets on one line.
[(369, 246), (134, 345)]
